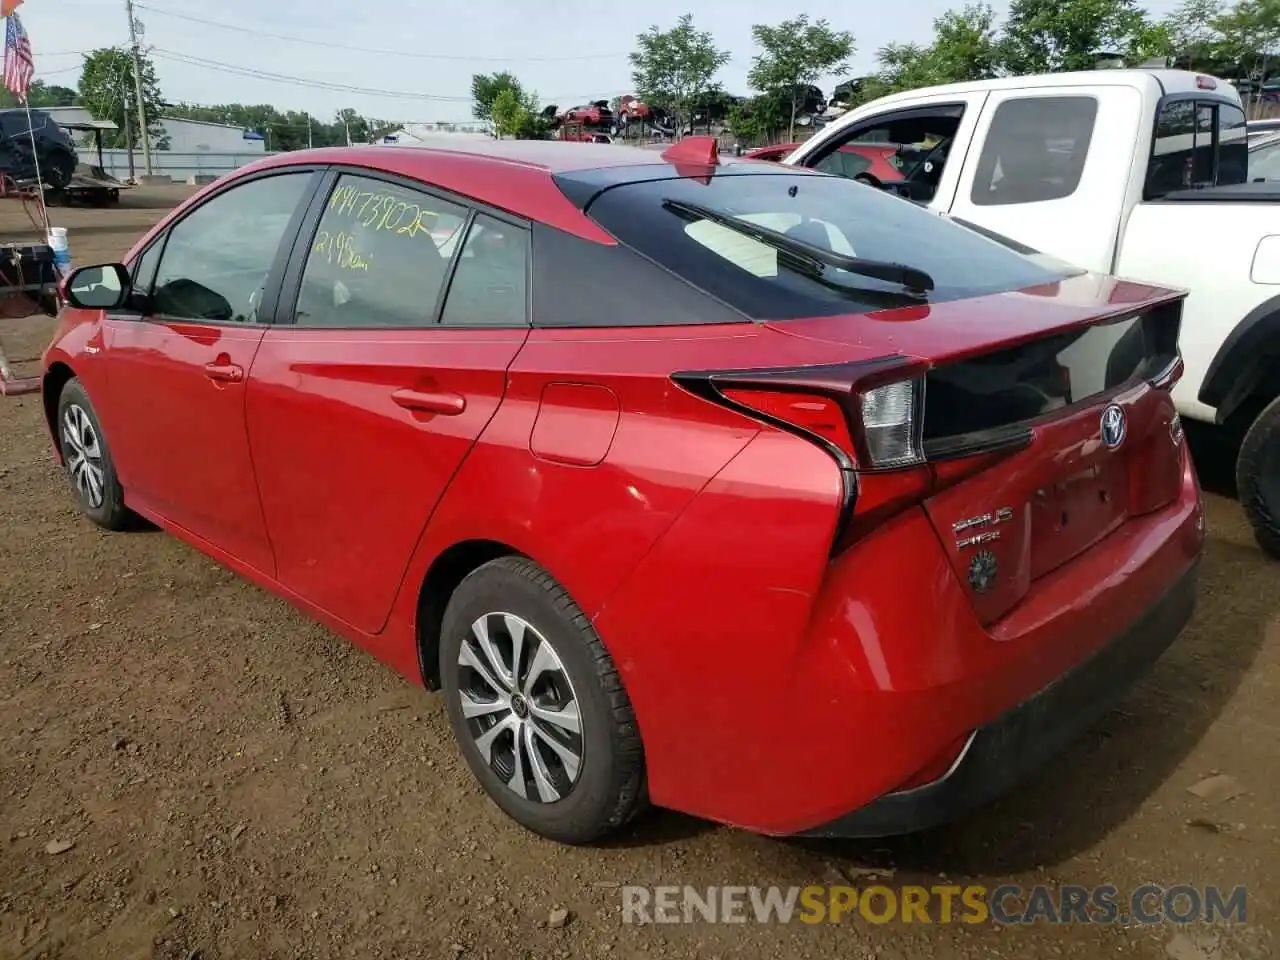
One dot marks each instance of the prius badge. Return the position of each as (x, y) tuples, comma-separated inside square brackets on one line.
[(1113, 426)]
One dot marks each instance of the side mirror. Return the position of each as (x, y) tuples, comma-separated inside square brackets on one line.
[(104, 287)]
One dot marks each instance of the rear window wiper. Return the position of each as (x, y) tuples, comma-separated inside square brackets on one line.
[(915, 280)]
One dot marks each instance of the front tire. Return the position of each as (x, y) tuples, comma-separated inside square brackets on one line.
[(537, 705), (1258, 478), (87, 459)]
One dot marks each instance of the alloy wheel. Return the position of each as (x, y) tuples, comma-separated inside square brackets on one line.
[(82, 451), (520, 707)]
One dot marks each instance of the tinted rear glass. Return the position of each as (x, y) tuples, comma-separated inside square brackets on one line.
[(848, 218)]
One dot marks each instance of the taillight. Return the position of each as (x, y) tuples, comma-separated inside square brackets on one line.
[(869, 416)]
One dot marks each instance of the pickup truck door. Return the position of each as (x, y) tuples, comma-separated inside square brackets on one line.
[(1052, 167), (945, 122)]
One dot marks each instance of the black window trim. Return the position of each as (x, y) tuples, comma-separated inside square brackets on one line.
[(267, 311), (285, 308), (1041, 94), (1216, 100)]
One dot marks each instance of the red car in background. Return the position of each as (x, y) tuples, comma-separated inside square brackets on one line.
[(855, 518), (595, 114), (852, 160)]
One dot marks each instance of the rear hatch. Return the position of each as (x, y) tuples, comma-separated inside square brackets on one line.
[(1047, 429)]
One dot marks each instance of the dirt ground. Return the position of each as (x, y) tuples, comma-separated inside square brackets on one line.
[(238, 782)]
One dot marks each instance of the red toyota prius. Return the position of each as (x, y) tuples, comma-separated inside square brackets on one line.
[(845, 523)]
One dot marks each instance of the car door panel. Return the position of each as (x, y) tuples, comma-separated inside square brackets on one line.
[(179, 360), (356, 435), (361, 406)]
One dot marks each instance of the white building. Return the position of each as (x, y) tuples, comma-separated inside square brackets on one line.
[(418, 133), (185, 136)]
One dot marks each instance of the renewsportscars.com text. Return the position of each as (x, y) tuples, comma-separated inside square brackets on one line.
[(1007, 904)]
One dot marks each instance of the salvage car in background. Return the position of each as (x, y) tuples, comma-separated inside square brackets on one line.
[(54, 155), (1140, 173), (645, 543)]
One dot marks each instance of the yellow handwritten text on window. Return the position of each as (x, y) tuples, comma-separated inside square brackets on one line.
[(382, 212), (340, 249)]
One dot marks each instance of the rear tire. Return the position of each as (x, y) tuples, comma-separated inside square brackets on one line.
[(1258, 478), (87, 460), (514, 724), (61, 167)]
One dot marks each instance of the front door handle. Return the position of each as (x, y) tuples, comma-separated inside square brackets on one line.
[(430, 401), (224, 372)]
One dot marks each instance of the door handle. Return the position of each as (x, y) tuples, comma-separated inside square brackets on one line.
[(430, 401), (224, 372)]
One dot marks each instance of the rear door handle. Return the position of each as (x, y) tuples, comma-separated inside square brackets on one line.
[(224, 372), (430, 401)]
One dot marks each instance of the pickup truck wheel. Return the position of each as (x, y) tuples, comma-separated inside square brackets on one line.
[(1258, 478)]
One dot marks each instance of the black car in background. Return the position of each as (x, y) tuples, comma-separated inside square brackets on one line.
[(57, 151)]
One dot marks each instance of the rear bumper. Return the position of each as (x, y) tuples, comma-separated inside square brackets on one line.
[(1026, 737)]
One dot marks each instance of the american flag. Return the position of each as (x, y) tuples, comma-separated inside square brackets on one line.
[(19, 67)]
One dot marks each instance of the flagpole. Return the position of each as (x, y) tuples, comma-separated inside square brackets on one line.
[(35, 158), (26, 103)]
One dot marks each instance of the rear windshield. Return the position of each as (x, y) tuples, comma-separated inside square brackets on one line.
[(848, 218)]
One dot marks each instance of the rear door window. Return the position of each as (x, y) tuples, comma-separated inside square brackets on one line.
[(380, 256), (1035, 150)]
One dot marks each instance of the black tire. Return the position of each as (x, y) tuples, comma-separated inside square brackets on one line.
[(609, 788), (77, 425), (1258, 478), (59, 167)]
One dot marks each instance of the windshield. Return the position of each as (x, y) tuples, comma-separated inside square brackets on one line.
[(846, 218)]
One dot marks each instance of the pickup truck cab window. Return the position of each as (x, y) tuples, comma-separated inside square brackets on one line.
[(1197, 143), (1035, 150), (922, 138)]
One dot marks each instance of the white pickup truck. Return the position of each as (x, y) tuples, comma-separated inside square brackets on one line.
[(1138, 173)]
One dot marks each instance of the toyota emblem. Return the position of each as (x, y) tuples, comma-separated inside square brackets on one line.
[(1113, 426)]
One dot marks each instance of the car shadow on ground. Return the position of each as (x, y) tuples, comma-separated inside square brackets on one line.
[(1101, 780)]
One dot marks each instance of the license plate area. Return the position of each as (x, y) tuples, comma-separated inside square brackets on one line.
[(1072, 513)]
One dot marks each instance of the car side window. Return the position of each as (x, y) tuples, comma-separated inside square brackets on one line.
[(1035, 150), (491, 282), (917, 145), (380, 256), (217, 258)]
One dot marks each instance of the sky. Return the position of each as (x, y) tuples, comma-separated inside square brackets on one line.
[(421, 55)]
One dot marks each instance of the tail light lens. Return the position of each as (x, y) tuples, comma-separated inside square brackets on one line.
[(893, 423)]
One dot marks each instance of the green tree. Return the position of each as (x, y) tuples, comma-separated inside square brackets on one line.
[(760, 118), (965, 45), (674, 69), (1249, 36), (41, 94), (1194, 41), (107, 91), (1044, 36), (485, 89), (508, 113), (795, 55)]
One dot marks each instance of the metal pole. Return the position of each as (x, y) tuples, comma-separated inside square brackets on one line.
[(137, 87), (128, 142)]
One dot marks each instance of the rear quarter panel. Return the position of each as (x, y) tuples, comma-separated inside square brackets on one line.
[(1226, 254)]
